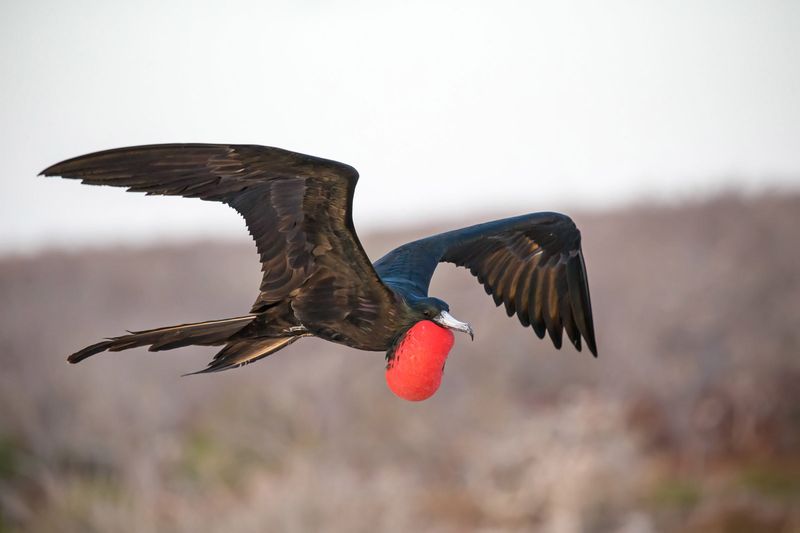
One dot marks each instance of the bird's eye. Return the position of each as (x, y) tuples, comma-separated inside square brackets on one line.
[(427, 312)]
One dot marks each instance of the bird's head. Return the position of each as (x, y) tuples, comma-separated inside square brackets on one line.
[(415, 364), (438, 311)]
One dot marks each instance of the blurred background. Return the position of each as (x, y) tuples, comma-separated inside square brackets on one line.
[(670, 132)]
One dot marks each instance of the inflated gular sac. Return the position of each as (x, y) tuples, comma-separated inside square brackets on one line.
[(415, 370)]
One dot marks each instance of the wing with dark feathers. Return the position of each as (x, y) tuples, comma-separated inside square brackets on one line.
[(533, 264), (298, 209)]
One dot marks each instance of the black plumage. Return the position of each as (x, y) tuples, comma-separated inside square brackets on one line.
[(317, 279)]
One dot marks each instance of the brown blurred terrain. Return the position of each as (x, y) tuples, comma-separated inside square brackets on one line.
[(688, 421)]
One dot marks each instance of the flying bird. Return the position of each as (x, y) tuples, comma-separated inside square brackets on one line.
[(317, 278)]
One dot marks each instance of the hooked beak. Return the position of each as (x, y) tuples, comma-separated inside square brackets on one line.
[(447, 320)]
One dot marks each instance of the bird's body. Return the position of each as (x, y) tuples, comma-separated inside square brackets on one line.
[(317, 278)]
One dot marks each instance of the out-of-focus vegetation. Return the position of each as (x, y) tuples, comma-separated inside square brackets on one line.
[(688, 421)]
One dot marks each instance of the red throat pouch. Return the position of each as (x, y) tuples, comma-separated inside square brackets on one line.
[(415, 371)]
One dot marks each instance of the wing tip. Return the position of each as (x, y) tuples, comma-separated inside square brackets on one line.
[(592, 347), (556, 337), (54, 171)]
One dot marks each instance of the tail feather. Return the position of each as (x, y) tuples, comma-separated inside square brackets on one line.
[(210, 333), (242, 352)]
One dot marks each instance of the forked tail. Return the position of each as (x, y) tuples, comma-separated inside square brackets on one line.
[(238, 351), (211, 333)]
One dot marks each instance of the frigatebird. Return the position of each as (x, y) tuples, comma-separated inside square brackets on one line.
[(317, 278)]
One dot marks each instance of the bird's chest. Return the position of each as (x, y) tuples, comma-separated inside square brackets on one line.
[(374, 338)]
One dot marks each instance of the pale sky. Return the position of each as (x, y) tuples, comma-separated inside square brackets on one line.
[(445, 108)]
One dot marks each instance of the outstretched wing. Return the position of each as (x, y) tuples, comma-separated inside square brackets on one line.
[(532, 264), (298, 209)]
